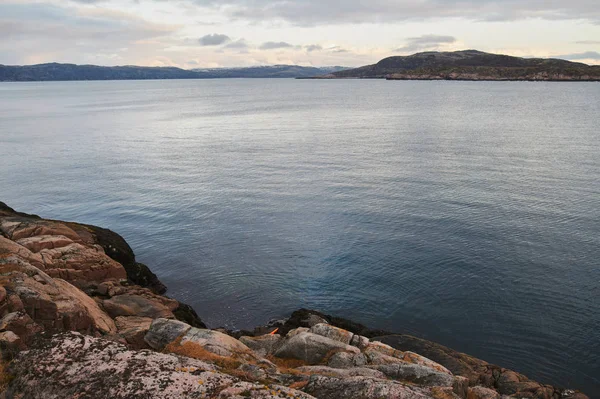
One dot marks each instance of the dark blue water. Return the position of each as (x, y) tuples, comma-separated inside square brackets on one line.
[(466, 213)]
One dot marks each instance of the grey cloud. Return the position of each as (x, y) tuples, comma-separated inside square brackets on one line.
[(214, 39), (240, 44), (71, 35), (337, 49), (314, 12), (48, 22), (588, 55), (313, 47), (588, 42), (425, 42), (275, 45)]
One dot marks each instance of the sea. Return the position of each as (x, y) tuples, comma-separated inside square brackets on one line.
[(467, 213)]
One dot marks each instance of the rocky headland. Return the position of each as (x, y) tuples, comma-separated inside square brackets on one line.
[(80, 318), (472, 65)]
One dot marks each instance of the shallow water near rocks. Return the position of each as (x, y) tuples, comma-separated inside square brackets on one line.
[(467, 213)]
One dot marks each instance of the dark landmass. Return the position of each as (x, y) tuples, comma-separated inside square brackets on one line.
[(471, 65), (81, 318), (271, 71), (68, 72)]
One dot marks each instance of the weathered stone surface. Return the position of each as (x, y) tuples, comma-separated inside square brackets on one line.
[(17, 228), (311, 348), (38, 243), (480, 392), (136, 305), (416, 374), (79, 366), (296, 331), (217, 343), (10, 337), (117, 248), (460, 386), (375, 357), (344, 360), (331, 332), (415, 358), (443, 393), (375, 346), (10, 344), (342, 373), (248, 390), (362, 388), (359, 341), (58, 251), (163, 331), (52, 304), (262, 345), (133, 329)]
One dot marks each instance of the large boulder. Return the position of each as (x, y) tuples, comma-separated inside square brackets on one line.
[(177, 337), (133, 329), (262, 345), (341, 373), (72, 365), (416, 374), (162, 332), (62, 253), (415, 358), (345, 360), (214, 342), (311, 348), (335, 333), (362, 388), (149, 305), (43, 302), (480, 392)]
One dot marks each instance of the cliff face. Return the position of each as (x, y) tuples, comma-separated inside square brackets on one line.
[(81, 318), (472, 65)]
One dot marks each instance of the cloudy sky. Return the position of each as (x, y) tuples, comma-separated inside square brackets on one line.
[(215, 33)]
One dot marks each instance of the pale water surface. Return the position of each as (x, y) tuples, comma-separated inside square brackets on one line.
[(466, 213)]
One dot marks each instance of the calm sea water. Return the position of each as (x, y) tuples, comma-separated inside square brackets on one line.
[(466, 213)]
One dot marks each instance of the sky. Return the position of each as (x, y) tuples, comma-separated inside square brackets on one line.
[(236, 33)]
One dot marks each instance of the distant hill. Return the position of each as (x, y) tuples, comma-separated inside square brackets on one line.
[(271, 71), (472, 65), (54, 71)]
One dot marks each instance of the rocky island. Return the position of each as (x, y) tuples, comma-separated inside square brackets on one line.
[(472, 65), (80, 318)]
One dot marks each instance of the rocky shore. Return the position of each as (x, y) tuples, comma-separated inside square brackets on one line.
[(80, 318)]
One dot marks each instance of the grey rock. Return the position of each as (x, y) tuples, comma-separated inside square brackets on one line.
[(164, 331), (342, 373), (218, 343), (335, 333), (416, 374), (479, 392), (296, 331), (359, 341), (262, 345), (133, 329), (362, 388), (460, 386), (135, 305), (345, 360), (311, 348)]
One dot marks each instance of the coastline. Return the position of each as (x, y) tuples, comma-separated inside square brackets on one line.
[(65, 282)]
